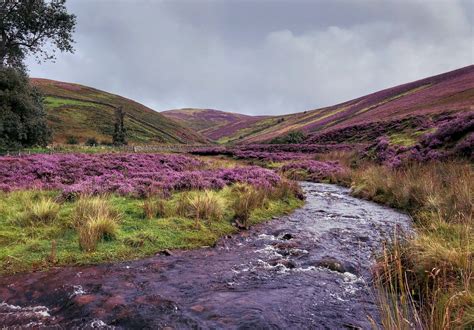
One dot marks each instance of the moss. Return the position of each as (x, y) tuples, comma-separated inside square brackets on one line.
[(29, 248)]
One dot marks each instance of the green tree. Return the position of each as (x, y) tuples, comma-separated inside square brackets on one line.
[(28, 27), (291, 137), (34, 27), (22, 117), (119, 137)]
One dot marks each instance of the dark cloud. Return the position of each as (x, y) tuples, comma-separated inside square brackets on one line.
[(261, 57)]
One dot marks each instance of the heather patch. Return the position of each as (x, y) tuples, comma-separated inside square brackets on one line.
[(136, 175), (453, 138), (312, 170)]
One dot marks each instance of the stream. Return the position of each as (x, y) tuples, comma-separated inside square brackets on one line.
[(310, 269)]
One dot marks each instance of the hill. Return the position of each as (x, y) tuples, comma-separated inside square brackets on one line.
[(85, 112), (405, 108), (214, 124)]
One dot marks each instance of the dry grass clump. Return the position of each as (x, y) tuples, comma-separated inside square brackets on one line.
[(205, 205), (287, 189), (41, 212), (154, 208), (94, 219), (433, 270), (345, 158), (436, 191), (246, 199), (200, 205)]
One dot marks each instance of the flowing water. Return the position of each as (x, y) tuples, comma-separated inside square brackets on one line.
[(311, 269)]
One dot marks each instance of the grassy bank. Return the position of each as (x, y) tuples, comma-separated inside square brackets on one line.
[(38, 230), (426, 280)]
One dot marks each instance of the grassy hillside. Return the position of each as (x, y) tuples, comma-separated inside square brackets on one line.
[(85, 112), (402, 107), (214, 124)]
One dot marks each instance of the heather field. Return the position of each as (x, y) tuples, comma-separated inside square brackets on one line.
[(333, 188), (423, 167), (63, 209), (96, 204)]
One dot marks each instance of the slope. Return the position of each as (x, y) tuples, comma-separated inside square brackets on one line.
[(84, 112), (426, 99), (214, 124)]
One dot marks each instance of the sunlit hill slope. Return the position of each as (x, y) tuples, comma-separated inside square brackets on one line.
[(84, 112)]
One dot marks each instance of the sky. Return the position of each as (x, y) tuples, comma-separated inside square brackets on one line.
[(260, 57)]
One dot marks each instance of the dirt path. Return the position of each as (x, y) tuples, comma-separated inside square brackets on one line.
[(307, 270)]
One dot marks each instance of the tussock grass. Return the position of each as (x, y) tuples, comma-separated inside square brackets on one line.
[(94, 220), (287, 189), (200, 205), (87, 219), (39, 212), (206, 205), (246, 200), (426, 280), (154, 207)]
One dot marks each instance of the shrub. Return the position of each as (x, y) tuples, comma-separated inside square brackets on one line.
[(72, 140), (92, 142), (291, 137), (247, 199), (94, 220), (137, 175), (312, 170), (44, 211)]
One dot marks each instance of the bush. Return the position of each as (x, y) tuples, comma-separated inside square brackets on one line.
[(72, 140), (22, 117), (94, 220), (44, 211), (92, 142), (291, 137)]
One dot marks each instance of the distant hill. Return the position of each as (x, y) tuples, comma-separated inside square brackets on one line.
[(395, 107), (214, 124), (85, 112)]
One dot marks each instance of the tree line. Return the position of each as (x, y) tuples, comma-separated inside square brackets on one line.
[(35, 28)]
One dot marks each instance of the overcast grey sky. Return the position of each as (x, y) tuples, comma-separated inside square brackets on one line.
[(261, 57)]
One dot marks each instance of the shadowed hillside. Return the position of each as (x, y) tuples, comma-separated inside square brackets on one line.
[(403, 109), (85, 112), (214, 124)]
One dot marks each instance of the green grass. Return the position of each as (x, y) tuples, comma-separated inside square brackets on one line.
[(408, 138), (27, 248), (56, 102)]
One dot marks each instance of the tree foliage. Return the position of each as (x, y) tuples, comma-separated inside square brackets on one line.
[(119, 137), (36, 27), (291, 137), (22, 117)]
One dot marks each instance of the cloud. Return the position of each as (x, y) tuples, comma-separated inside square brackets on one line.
[(261, 57)]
